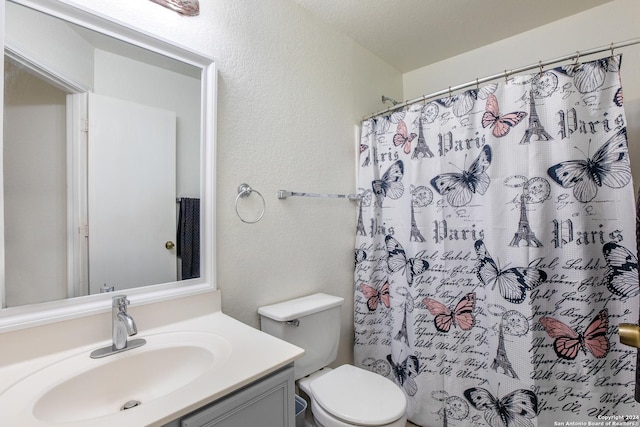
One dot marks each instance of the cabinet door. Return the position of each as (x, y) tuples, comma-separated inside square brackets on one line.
[(266, 403)]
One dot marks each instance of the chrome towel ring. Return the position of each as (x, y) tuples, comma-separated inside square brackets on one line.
[(244, 190)]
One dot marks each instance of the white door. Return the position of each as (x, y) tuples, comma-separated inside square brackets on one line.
[(132, 199)]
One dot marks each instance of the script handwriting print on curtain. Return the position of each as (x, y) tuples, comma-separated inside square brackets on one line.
[(495, 251)]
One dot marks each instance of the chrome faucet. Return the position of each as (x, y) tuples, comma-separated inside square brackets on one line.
[(122, 327)]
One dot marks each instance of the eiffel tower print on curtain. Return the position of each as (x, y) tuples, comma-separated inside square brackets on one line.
[(421, 149), (535, 127), (502, 360), (524, 230), (416, 235), (533, 191), (360, 227)]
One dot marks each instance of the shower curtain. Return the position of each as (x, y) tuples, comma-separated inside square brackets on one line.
[(496, 255)]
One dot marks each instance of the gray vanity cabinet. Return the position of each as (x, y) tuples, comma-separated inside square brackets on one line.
[(268, 402)]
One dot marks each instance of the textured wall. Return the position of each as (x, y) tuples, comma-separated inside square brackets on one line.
[(291, 92)]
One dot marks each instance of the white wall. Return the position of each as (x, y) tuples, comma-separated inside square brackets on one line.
[(612, 22), (56, 46), (290, 93), (128, 79)]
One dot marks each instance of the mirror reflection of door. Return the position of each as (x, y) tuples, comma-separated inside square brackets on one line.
[(132, 188)]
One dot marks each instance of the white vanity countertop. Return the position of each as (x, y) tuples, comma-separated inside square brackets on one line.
[(254, 354)]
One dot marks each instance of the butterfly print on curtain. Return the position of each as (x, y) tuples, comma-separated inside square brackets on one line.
[(622, 270), (397, 260), (500, 124), (390, 185), (591, 76), (405, 372), (376, 297), (618, 98), (459, 188), (609, 166), (516, 409), (462, 104), (461, 315), (512, 282), (403, 138), (568, 342)]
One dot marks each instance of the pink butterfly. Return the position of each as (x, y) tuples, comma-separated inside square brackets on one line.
[(374, 296), (402, 137), (461, 315), (568, 342), (501, 124)]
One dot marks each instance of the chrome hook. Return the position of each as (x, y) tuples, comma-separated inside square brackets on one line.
[(611, 50)]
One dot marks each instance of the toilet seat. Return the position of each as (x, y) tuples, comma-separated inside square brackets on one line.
[(358, 396)]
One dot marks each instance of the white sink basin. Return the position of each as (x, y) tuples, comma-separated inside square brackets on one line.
[(80, 388)]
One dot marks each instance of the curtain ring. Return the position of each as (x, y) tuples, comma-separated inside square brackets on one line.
[(541, 69), (506, 76), (477, 84), (577, 58), (450, 94), (244, 190)]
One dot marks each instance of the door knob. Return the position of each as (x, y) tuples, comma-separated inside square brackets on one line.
[(169, 245), (629, 334)]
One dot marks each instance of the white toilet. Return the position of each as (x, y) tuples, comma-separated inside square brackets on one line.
[(346, 396)]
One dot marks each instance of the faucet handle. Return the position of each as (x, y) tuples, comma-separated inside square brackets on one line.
[(120, 301)]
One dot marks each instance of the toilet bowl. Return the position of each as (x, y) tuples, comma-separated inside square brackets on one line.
[(346, 396), (349, 396)]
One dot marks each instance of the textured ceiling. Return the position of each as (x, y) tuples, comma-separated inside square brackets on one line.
[(409, 34)]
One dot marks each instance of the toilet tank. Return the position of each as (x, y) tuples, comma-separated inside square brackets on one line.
[(312, 323)]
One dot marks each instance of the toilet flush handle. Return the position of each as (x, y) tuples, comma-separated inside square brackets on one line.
[(294, 322)]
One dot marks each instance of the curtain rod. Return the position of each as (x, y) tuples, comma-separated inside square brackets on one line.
[(506, 73)]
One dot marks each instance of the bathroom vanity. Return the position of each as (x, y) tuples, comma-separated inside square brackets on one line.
[(198, 367), (267, 402)]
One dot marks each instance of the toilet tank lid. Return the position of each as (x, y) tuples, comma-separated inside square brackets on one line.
[(300, 307)]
